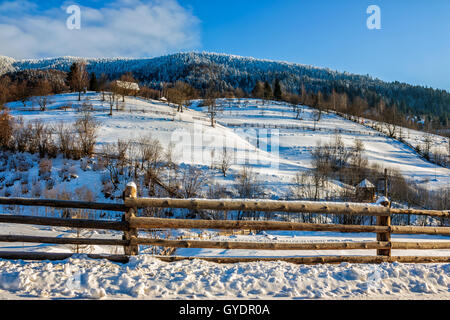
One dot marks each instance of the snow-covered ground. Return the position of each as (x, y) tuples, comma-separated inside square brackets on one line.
[(298, 137), (438, 144), (145, 277), (266, 137)]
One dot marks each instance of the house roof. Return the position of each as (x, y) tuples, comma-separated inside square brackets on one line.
[(127, 85), (365, 184)]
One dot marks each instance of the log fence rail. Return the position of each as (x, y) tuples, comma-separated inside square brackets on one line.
[(131, 224)]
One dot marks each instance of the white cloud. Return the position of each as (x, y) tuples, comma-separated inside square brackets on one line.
[(131, 28)]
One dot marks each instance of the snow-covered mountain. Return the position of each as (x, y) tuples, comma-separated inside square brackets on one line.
[(226, 72), (192, 67)]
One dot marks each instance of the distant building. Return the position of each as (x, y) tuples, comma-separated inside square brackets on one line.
[(131, 87), (365, 191)]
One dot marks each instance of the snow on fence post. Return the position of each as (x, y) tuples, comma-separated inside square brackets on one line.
[(384, 221), (131, 234)]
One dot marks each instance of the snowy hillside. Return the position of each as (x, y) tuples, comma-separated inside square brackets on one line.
[(266, 137)]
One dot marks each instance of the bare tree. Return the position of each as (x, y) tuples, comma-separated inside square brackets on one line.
[(213, 108), (111, 101), (294, 101), (41, 94), (225, 161), (110, 164), (129, 87), (427, 146), (6, 129), (103, 85), (180, 94), (122, 148), (390, 119)]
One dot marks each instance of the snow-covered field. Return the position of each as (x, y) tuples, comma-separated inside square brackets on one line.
[(145, 277), (277, 146), (298, 137), (266, 137)]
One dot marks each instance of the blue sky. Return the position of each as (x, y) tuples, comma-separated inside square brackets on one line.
[(413, 44)]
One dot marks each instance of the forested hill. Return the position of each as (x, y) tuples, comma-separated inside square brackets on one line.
[(225, 72)]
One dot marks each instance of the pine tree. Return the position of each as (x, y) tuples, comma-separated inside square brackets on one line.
[(78, 78), (93, 84), (258, 90), (70, 74), (267, 91), (277, 93)]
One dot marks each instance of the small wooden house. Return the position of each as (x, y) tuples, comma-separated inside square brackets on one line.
[(365, 191)]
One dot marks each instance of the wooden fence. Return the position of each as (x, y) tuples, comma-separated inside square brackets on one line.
[(131, 224)]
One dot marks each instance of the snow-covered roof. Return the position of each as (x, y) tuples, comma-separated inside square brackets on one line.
[(128, 85), (365, 184), (163, 99)]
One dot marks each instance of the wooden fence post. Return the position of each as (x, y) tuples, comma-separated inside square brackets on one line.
[(384, 221), (132, 233)]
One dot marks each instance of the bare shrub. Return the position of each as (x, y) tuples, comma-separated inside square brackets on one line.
[(217, 191), (122, 148), (150, 152), (50, 184), (41, 139), (22, 136), (9, 182), (36, 189), (99, 164), (307, 185), (331, 157), (25, 179), (86, 128), (247, 184), (65, 142), (108, 189), (25, 188), (84, 194), (45, 168), (8, 192), (192, 181), (110, 164), (24, 166)]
